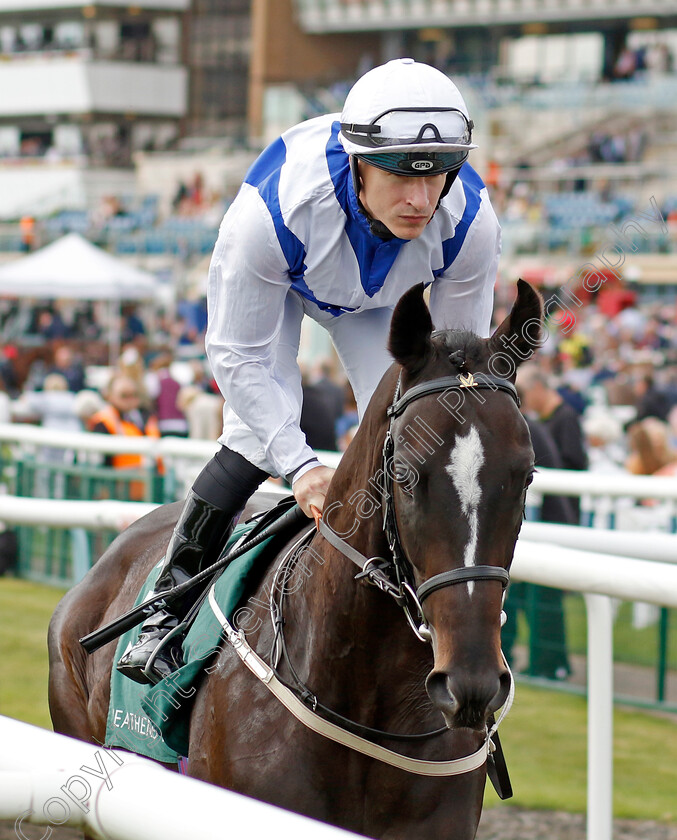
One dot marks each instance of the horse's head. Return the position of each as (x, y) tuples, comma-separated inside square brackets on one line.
[(459, 438)]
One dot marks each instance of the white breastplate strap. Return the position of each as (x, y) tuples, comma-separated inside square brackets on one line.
[(321, 726)]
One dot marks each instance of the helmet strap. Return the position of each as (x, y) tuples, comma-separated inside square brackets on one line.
[(451, 177), (376, 227)]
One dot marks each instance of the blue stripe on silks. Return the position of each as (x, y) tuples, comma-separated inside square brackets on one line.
[(264, 174), (472, 185), (375, 256)]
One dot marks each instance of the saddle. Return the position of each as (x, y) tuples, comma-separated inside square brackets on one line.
[(154, 720)]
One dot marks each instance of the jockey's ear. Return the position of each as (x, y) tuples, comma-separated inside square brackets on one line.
[(521, 334), (410, 330)]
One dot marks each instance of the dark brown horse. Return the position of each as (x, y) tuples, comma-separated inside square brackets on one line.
[(457, 462)]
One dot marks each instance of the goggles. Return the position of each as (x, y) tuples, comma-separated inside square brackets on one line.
[(412, 127)]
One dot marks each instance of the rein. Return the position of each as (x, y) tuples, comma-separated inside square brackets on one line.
[(395, 579)]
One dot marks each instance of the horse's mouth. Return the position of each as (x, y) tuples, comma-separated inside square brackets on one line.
[(467, 706)]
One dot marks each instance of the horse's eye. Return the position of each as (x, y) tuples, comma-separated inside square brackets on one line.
[(529, 479)]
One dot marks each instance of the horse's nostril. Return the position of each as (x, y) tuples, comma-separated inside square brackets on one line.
[(439, 691), (464, 702), (505, 681)]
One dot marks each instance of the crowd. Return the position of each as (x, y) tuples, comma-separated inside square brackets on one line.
[(600, 395)]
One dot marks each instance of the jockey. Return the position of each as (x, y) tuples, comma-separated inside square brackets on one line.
[(335, 220)]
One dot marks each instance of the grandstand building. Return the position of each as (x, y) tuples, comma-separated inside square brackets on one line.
[(82, 86), (573, 102)]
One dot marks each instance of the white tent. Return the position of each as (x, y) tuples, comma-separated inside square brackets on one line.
[(73, 269)]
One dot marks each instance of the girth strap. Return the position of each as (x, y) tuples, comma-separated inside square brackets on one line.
[(465, 575)]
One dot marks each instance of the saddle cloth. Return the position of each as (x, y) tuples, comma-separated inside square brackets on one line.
[(154, 720)]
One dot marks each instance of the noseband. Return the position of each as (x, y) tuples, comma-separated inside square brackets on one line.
[(395, 576)]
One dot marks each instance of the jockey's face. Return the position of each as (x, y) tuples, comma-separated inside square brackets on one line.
[(404, 204)]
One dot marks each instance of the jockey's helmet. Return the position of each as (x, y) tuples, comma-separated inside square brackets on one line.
[(407, 118)]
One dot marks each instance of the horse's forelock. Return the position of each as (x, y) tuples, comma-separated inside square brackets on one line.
[(464, 349)]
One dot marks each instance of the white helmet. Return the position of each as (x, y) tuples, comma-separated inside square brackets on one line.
[(407, 118)]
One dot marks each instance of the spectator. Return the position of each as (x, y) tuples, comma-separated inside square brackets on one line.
[(651, 401), (203, 411), (650, 449), (5, 402), (347, 424), (51, 325), (163, 390), (331, 393), (132, 325), (54, 405), (54, 408), (123, 416), (541, 400), (604, 435), (131, 364), (87, 403), (27, 232), (317, 419), (66, 364)]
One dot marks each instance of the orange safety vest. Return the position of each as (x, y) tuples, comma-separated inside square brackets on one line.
[(117, 425)]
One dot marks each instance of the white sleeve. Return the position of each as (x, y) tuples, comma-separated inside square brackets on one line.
[(463, 297), (247, 286)]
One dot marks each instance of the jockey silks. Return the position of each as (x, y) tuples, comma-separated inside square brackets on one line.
[(294, 241)]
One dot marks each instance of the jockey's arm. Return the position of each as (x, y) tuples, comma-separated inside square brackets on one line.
[(247, 290)]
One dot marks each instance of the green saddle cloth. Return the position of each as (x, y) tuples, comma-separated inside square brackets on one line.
[(153, 720)]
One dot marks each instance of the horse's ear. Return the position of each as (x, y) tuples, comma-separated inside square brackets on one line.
[(410, 330), (521, 334)]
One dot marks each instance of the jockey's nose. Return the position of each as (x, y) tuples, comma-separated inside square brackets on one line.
[(418, 193)]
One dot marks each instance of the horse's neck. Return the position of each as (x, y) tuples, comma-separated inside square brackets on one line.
[(349, 640), (351, 645)]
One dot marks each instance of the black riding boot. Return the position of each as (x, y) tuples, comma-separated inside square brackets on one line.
[(218, 495), (201, 525)]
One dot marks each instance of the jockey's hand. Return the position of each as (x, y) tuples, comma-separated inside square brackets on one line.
[(311, 489)]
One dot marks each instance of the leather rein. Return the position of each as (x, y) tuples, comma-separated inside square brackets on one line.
[(393, 577)]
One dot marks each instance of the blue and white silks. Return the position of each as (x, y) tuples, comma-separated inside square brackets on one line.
[(294, 242)]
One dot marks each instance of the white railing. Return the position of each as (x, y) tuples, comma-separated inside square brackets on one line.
[(49, 779), (599, 576), (602, 572), (562, 482)]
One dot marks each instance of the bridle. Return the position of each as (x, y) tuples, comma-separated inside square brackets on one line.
[(394, 575)]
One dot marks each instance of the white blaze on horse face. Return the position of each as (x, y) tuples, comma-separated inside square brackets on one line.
[(465, 461)]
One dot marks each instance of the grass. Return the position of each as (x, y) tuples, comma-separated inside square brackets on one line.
[(545, 741), (632, 645), (636, 645), (544, 736), (25, 610)]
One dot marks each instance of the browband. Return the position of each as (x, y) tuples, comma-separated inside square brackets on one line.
[(484, 381)]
